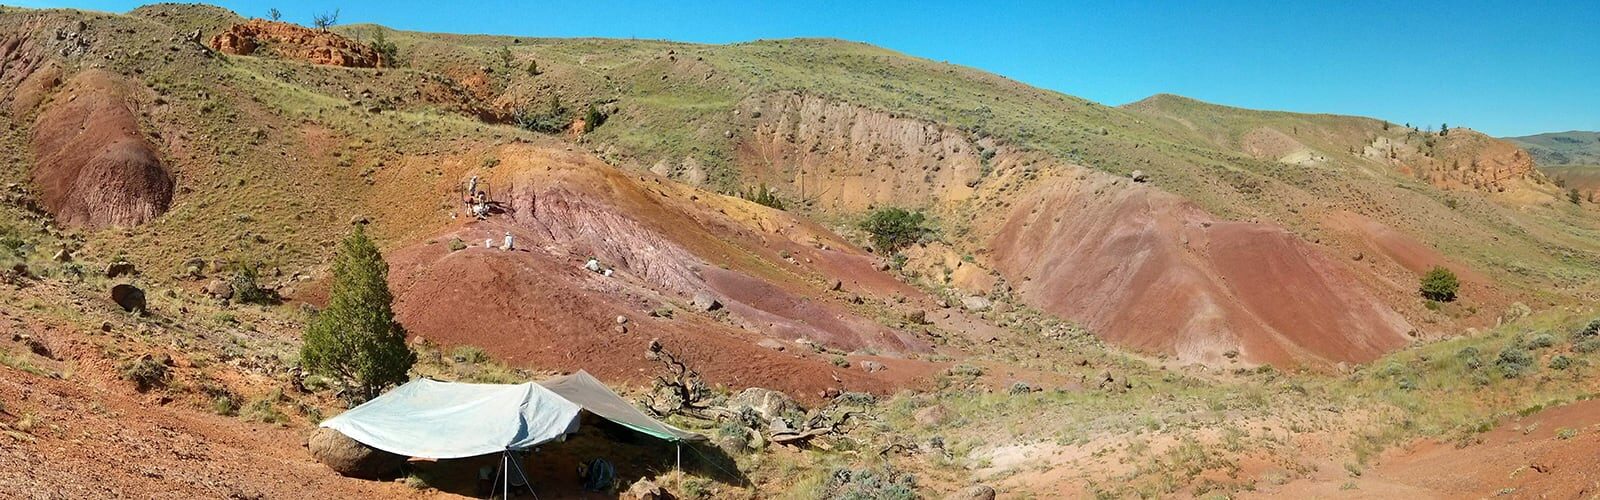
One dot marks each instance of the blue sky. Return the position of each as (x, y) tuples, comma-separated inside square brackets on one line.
[(1505, 68)]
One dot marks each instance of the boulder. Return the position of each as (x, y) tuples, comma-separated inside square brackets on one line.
[(974, 492), (704, 301), (917, 317), (1137, 176), (219, 290), (872, 366), (644, 489), (767, 403), (350, 458), (975, 303), (129, 297), (931, 416), (119, 268), (774, 344)]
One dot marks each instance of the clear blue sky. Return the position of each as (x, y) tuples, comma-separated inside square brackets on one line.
[(1505, 68)]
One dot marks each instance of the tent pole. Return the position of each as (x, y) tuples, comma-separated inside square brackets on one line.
[(679, 453), (505, 463)]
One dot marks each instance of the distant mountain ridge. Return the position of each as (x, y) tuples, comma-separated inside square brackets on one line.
[(1573, 147)]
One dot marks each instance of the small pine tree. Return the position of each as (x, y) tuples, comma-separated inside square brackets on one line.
[(1440, 284), (387, 50), (1574, 196), (356, 339), (273, 14), (533, 68), (1444, 129)]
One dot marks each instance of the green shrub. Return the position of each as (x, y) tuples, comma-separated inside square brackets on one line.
[(881, 483), (763, 196), (380, 43), (469, 354), (1589, 331), (895, 228), (246, 289), (1440, 284), (1469, 357), (1560, 362), (1541, 341), (1514, 361), (457, 245), (553, 119), (1586, 346)]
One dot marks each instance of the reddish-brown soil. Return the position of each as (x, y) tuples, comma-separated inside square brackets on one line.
[(94, 166), (104, 443), (1523, 458), (667, 244), (290, 41), (1150, 271)]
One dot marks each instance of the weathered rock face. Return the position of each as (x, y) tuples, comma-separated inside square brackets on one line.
[(847, 156), (94, 166), (289, 41), (349, 457)]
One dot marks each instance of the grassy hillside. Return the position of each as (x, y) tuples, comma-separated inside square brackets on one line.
[(1562, 148), (274, 158)]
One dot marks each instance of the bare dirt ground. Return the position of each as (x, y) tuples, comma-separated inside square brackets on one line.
[(1550, 454)]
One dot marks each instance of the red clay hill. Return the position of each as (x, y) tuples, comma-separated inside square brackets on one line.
[(94, 167)]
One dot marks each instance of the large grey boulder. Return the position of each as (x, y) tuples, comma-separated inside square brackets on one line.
[(767, 403), (976, 303), (350, 458)]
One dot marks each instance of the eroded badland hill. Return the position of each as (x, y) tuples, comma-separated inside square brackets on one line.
[(1166, 298)]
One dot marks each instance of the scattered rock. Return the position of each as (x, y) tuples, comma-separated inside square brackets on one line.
[(1137, 176), (644, 489), (349, 457), (975, 303), (872, 366), (836, 285), (359, 219), (974, 492), (119, 268), (129, 297), (704, 301), (1358, 256), (62, 255), (773, 344), (219, 290)]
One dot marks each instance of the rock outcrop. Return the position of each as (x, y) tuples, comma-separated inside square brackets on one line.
[(289, 41)]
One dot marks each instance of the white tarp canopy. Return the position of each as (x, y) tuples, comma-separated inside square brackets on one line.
[(596, 398), (429, 419)]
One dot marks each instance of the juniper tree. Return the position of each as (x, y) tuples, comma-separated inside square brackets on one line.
[(356, 339)]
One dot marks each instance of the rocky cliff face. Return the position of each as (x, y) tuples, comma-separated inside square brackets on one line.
[(289, 41), (850, 157)]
